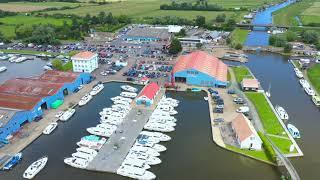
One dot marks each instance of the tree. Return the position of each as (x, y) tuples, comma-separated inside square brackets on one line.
[(181, 33), (291, 36), (221, 18), (43, 34), (1, 37), (57, 64), (238, 46), (23, 31), (175, 46), (231, 22), (200, 21), (310, 37), (287, 48), (199, 45)]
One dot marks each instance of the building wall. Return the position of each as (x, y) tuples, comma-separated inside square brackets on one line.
[(21, 116), (194, 77), (87, 66), (252, 141)]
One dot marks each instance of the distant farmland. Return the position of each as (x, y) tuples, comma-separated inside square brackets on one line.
[(32, 6)]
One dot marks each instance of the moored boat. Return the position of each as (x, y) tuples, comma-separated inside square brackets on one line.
[(98, 88), (35, 168), (129, 88), (3, 68), (282, 113), (76, 162), (293, 131), (67, 114), (13, 161), (52, 126)]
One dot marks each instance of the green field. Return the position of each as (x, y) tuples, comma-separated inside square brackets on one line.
[(35, 6), (7, 31), (239, 36), (314, 76), (151, 8), (241, 72), (307, 10)]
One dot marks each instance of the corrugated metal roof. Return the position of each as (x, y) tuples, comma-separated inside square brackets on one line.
[(85, 55), (150, 90), (203, 62)]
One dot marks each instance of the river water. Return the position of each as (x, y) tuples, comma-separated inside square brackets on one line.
[(191, 153)]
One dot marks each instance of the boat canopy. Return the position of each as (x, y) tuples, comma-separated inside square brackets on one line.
[(56, 104)]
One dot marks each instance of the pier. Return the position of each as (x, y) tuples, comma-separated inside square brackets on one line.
[(114, 151)]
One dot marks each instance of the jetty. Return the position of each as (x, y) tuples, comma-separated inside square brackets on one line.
[(114, 151)]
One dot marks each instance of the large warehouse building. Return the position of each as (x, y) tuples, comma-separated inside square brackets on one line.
[(201, 69), (24, 99), (145, 34)]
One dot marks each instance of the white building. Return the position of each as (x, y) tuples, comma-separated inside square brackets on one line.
[(247, 136), (85, 62)]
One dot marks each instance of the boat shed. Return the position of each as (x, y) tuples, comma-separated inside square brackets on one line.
[(201, 69), (23, 100), (148, 93), (250, 84), (246, 135)]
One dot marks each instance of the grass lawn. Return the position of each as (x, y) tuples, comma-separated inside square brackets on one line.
[(67, 66), (282, 144), (306, 10), (267, 116), (25, 52), (22, 19), (7, 31), (35, 6), (239, 36), (241, 72), (261, 155), (314, 76)]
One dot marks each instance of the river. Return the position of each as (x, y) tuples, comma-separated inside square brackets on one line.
[(191, 153)]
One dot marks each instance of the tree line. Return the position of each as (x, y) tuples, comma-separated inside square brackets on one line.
[(198, 6)]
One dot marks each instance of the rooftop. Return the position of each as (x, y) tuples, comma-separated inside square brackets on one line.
[(202, 62), (5, 116), (242, 127), (250, 83), (85, 55), (150, 90), (149, 32)]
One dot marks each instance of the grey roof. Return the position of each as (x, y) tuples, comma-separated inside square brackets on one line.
[(149, 32), (6, 115)]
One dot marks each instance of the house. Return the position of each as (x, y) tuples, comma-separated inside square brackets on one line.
[(246, 135), (250, 84), (200, 69), (85, 62), (148, 93)]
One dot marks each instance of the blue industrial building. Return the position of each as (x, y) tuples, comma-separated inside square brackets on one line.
[(200, 69), (23, 100)]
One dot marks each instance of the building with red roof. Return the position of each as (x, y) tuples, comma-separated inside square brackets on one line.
[(250, 84), (25, 99), (148, 93), (85, 61), (201, 69), (246, 135)]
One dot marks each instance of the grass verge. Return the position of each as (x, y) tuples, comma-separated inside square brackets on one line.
[(241, 72), (314, 76)]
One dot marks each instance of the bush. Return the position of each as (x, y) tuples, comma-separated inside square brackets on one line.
[(57, 64), (271, 154), (287, 48), (175, 46), (238, 46), (278, 41), (291, 36), (310, 37), (221, 18)]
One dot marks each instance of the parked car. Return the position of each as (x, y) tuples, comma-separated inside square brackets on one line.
[(231, 91), (238, 100), (243, 109), (218, 120), (217, 110)]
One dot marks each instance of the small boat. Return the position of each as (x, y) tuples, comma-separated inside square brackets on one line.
[(128, 94), (98, 88), (299, 74), (46, 67), (282, 113), (20, 59), (50, 128), (101, 131), (293, 131), (87, 151), (96, 145), (35, 168), (268, 93), (85, 99), (316, 100), (135, 173), (3, 68), (304, 83), (59, 114), (158, 127), (76, 162), (206, 98), (135, 163), (81, 155), (4, 57), (145, 150), (150, 160), (196, 89), (157, 135), (13, 161), (129, 88), (157, 147), (309, 91), (67, 115)]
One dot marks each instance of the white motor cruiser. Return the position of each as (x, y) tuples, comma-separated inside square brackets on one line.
[(144, 150), (135, 173), (304, 83), (128, 94), (82, 155), (76, 162), (282, 113), (167, 118), (151, 160), (162, 121), (298, 73), (117, 98), (96, 89), (91, 145), (158, 135), (157, 147), (3, 68), (106, 126), (35, 168), (50, 128), (294, 131), (101, 131), (59, 114), (86, 150), (129, 88), (122, 102), (135, 163), (85, 99), (309, 91), (158, 127), (67, 115)]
